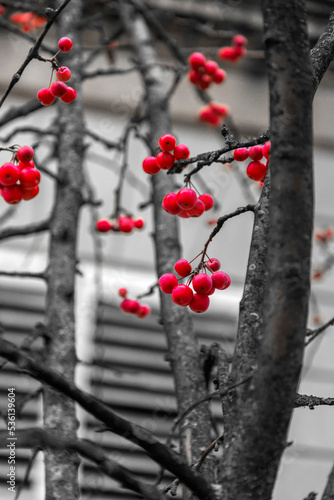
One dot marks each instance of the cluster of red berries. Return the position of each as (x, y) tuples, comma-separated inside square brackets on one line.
[(324, 235), (47, 96), (204, 72), (236, 51), (256, 170), (28, 21), (213, 113), (123, 224), (19, 178), (185, 203), (170, 152), (132, 306), (203, 284)]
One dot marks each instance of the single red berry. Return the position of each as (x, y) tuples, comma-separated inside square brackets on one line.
[(219, 109), (12, 194), (239, 41), (9, 174), (45, 97), (241, 154), (199, 303), (150, 165), (165, 160), (25, 153), (122, 292), (139, 223), (186, 198), (194, 76), (69, 96), (143, 311), (207, 199), (218, 76), (26, 164), (197, 210), (182, 295), (65, 44), (167, 142), (58, 89), (256, 170), (205, 114), (214, 119), (125, 224), (29, 194), (183, 214), (63, 74), (202, 283), (182, 267), (205, 82), (266, 149), (133, 306), (210, 67), (221, 280), (181, 152), (29, 178), (168, 282), (255, 152), (103, 225), (170, 205), (125, 305), (197, 60), (213, 264)]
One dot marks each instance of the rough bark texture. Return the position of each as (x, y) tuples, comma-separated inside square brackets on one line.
[(61, 467), (182, 343), (251, 459)]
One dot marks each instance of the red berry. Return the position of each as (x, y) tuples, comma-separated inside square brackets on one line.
[(103, 225), (239, 40), (256, 170), (143, 311), (194, 76), (125, 224), (197, 210), (45, 97), (122, 292), (139, 223), (65, 44), (181, 152), (168, 282), (197, 60), (213, 264), (167, 142), (170, 205), (255, 152), (210, 67), (182, 267), (199, 303), (9, 174), (63, 74), (69, 95), (165, 160), (205, 82), (218, 76), (125, 305), (26, 164), (241, 154), (150, 165), (207, 199), (202, 283), (221, 280), (184, 214), (25, 153), (219, 109), (29, 178), (266, 149), (186, 198), (58, 89), (29, 194), (182, 295), (12, 194), (133, 306), (228, 53)]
